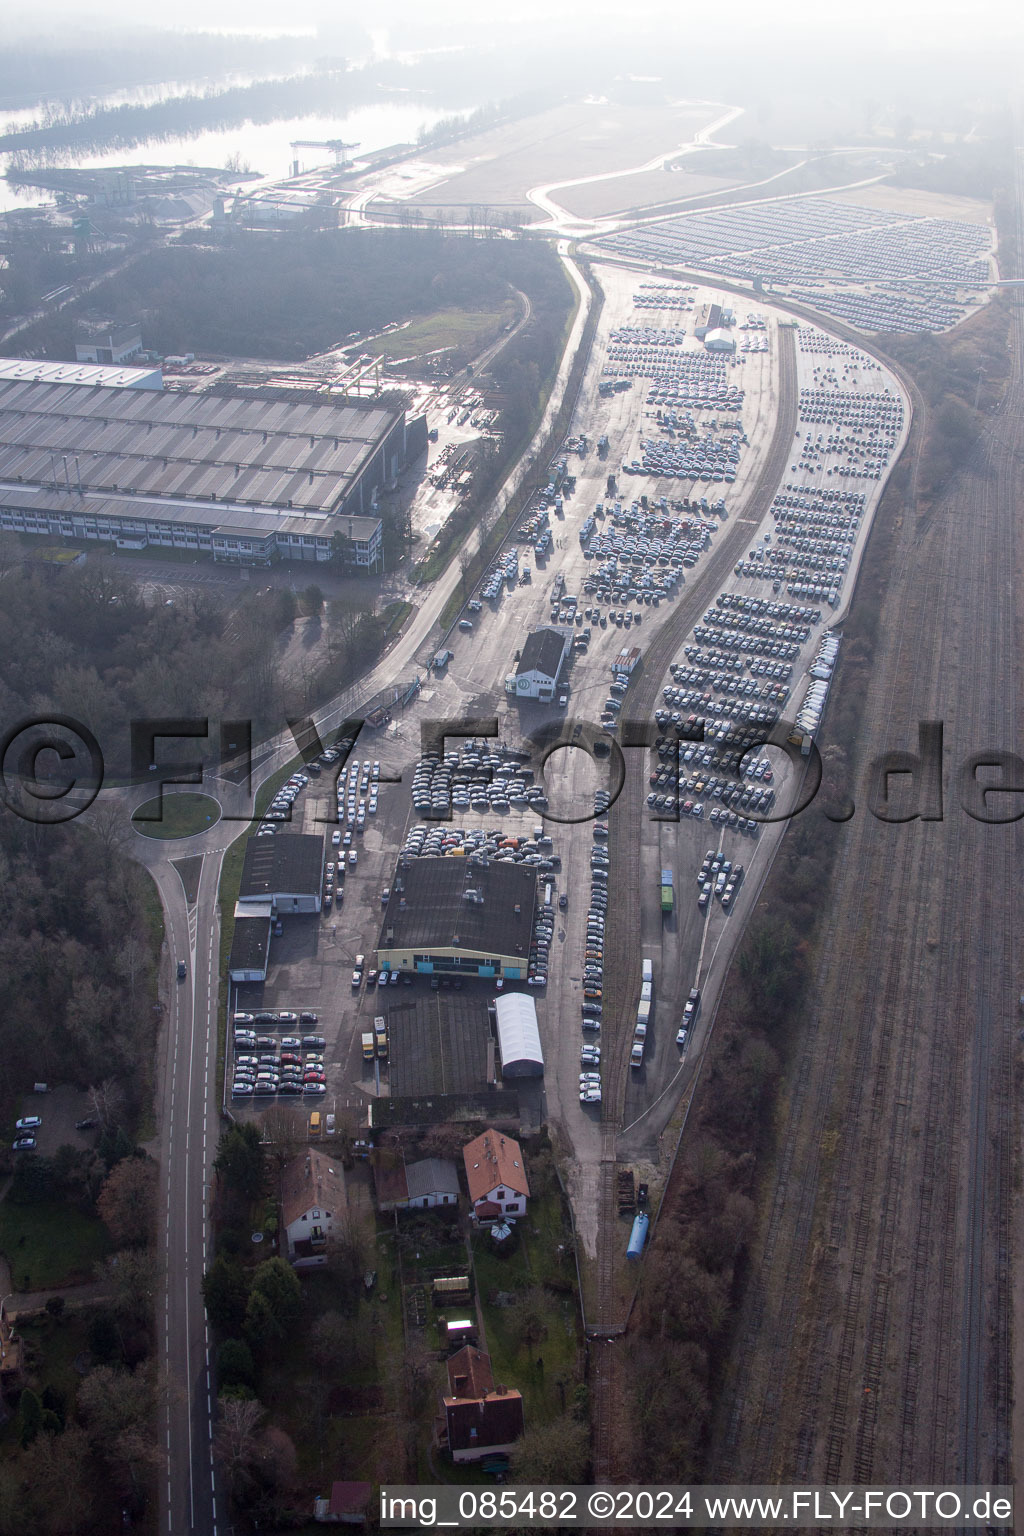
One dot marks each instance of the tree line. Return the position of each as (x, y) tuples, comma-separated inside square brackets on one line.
[(301, 292)]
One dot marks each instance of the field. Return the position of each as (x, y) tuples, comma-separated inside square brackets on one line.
[(497, 168), (465, 331), (623, 194), (48, 1244)]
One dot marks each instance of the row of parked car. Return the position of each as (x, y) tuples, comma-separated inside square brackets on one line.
[(266, 1064), (593, 953)]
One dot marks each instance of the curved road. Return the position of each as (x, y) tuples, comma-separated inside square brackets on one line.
[(188, 1111)]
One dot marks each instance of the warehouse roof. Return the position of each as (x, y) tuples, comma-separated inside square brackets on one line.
[(188, 447), (442, 903), (289, 864), (250, 944), (438, 1043), (543, 652), (31, 370)]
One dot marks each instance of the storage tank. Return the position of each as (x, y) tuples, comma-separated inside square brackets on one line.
[(637, 1237)]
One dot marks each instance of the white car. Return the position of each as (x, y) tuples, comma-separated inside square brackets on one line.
[(590, 1095), (590, 1077), (336, 839)]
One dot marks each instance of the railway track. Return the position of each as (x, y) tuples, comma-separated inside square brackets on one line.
[(880, 1309)]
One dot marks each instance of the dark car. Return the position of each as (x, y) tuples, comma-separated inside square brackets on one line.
[(88, 1124), (182, 970)]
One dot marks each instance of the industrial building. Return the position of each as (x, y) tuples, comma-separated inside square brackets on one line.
[(98, 340), (539, 666), (282, 875), (459, 917), (250, 943), (32, 370), (708, 319), (439, 1043), (719, 340), (246, 479), (518, 1036)]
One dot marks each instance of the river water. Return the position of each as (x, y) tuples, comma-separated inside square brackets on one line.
[(262, 147)]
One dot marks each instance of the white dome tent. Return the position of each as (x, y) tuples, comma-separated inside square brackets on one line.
[(518, 1036)]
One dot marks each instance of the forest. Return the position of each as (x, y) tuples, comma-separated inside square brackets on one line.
[(82, 640), (299, 293)]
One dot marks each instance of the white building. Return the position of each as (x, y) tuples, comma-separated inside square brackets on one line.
[(498, 1186), (719, 340), (422, 1185), (518, 1036), (540, 663), (312, 1201)]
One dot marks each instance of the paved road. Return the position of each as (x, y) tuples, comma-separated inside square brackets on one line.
[(187, 1101)]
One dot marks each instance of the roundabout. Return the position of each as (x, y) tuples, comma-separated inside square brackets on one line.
[(179, 816)]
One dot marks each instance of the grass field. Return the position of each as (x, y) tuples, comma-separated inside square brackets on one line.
[(467, 331), (545, 1372), (182, 816), (49, 1244)]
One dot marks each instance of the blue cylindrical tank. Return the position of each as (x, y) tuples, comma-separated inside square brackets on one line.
[(638, 1237)]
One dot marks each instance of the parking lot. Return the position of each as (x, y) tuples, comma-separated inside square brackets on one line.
[(605, 578), (911, 272)]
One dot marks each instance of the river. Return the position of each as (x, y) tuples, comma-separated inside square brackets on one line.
[(262, 147)]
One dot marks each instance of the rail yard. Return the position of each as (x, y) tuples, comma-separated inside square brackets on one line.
[(720, 618)]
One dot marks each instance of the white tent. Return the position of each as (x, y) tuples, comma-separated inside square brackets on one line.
[(518, 1036)]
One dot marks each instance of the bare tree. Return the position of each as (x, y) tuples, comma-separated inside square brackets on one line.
[(236, 1441), (107, 1101)]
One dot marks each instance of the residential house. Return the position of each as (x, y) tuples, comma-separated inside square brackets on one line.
[(312, 1201), (481, 1419), (422, 1185), (498, 1186)]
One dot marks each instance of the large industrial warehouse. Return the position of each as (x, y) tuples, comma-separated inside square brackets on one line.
[(247, 480), (459, 917)]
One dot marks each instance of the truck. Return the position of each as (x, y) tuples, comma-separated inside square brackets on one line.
[(380, 1034), (667, 893), (602, 446), (643, 1018), (627, 660), (368, 1044), (647, 972)]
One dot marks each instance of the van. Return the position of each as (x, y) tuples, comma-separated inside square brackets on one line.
[(314, 1123)]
